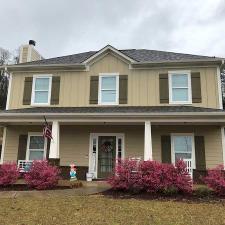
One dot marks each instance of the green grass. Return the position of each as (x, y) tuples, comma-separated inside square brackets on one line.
[(103, 210)]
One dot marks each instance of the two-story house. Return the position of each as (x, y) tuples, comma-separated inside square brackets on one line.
[(109, 104)]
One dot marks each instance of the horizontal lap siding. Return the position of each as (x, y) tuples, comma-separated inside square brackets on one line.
[(74, 142), (212, 136), (12, 140)]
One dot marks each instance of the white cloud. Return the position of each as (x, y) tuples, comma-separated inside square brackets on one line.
[(68, 27)]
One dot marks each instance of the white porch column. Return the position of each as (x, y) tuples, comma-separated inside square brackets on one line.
[(54, 146), (223, 144), (3, 144), (148, 141)]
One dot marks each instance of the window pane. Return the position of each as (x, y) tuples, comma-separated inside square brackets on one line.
[(41, 97), (180, 94), (179, 80), (36, 142), (42, 84), (108, 96), (36, 155), (109, 83), (183, 144), (179, 156)]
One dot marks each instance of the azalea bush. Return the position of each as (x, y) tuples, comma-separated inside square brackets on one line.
[(42, 175), (9, 174), (151, 176), (215, 180)]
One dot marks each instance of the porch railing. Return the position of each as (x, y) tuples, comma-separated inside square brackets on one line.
[(24, 165), (189, 166)]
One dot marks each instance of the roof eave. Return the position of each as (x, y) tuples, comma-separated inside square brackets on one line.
[(195, 62)]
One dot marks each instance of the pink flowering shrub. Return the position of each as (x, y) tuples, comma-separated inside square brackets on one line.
[(151, 176), (42, 175), (216, 180), (9, 174)]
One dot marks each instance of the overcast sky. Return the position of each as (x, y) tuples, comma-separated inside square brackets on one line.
[(62, 27)]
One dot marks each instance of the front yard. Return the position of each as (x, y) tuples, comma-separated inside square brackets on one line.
[(98, 209)]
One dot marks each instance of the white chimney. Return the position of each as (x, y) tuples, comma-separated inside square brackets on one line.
[(28, 53)]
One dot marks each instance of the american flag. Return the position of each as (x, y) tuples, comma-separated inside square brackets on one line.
[(47, 132)]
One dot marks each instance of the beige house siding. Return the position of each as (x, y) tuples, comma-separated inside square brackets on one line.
[(143, 84), (74, 141)]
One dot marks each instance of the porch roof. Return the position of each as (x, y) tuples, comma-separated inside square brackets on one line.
[(112, 110), (115, 114)]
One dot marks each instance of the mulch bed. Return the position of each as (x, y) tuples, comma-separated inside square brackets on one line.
[(195, 197), (63, 184)]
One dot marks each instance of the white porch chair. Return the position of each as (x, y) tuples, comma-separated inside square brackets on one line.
[(23, 165), (188, 163)]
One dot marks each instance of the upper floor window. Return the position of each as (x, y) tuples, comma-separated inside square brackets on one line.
[(180, 87), (108, 89), (41, 90)]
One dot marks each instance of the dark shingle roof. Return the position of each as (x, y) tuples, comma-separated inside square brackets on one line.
[(113, 109), (139, 55)]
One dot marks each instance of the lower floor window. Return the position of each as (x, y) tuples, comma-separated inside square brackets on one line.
[(182, 147), (36, 147)]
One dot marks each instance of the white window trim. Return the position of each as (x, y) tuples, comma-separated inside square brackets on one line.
[(177, 72), (193, 147), (49, 89), (28, 144), (96, 136), (102, 75)]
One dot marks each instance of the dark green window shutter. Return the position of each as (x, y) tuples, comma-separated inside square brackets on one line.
[(48, 148), (93, 90), (55, 90), (27, 90), (196, 87), (166, 149), (163, 88), (200, 153), (22, 148), (123, 83)]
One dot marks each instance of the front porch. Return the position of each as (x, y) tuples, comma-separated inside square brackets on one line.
[(200, 145)]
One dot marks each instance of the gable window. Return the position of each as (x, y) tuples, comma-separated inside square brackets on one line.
[(108, 89), (180, 87), (41, 90), (36, 147)]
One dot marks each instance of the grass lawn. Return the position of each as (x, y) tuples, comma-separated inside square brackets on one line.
[(99, 209)]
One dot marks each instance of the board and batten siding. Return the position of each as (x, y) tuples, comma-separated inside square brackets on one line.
[(74, 141), (143, 84)]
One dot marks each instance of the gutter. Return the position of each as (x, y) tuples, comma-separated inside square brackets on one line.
[(83, 66)]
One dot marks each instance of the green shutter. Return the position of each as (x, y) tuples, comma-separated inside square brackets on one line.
[(48, 148), (22, 147), (196, 87), (93, 90), (166, 149), (123, 79), (27, 90), (200, 153), (55, 90), (163, 88)]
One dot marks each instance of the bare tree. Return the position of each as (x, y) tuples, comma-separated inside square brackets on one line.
[(4, 59)]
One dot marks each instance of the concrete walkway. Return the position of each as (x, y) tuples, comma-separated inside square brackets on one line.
[(88, 188)]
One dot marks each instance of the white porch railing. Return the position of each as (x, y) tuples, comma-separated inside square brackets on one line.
[(24, 165), (189, 166)]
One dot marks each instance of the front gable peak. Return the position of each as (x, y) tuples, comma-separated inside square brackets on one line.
[(109, 49)]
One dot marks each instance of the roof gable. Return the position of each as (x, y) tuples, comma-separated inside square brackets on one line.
[(107, 49)]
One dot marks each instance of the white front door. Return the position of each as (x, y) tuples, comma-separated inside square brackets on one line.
[(105, 149), (182, 147)]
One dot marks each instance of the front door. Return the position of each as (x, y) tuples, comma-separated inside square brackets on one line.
[(106, 155)]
